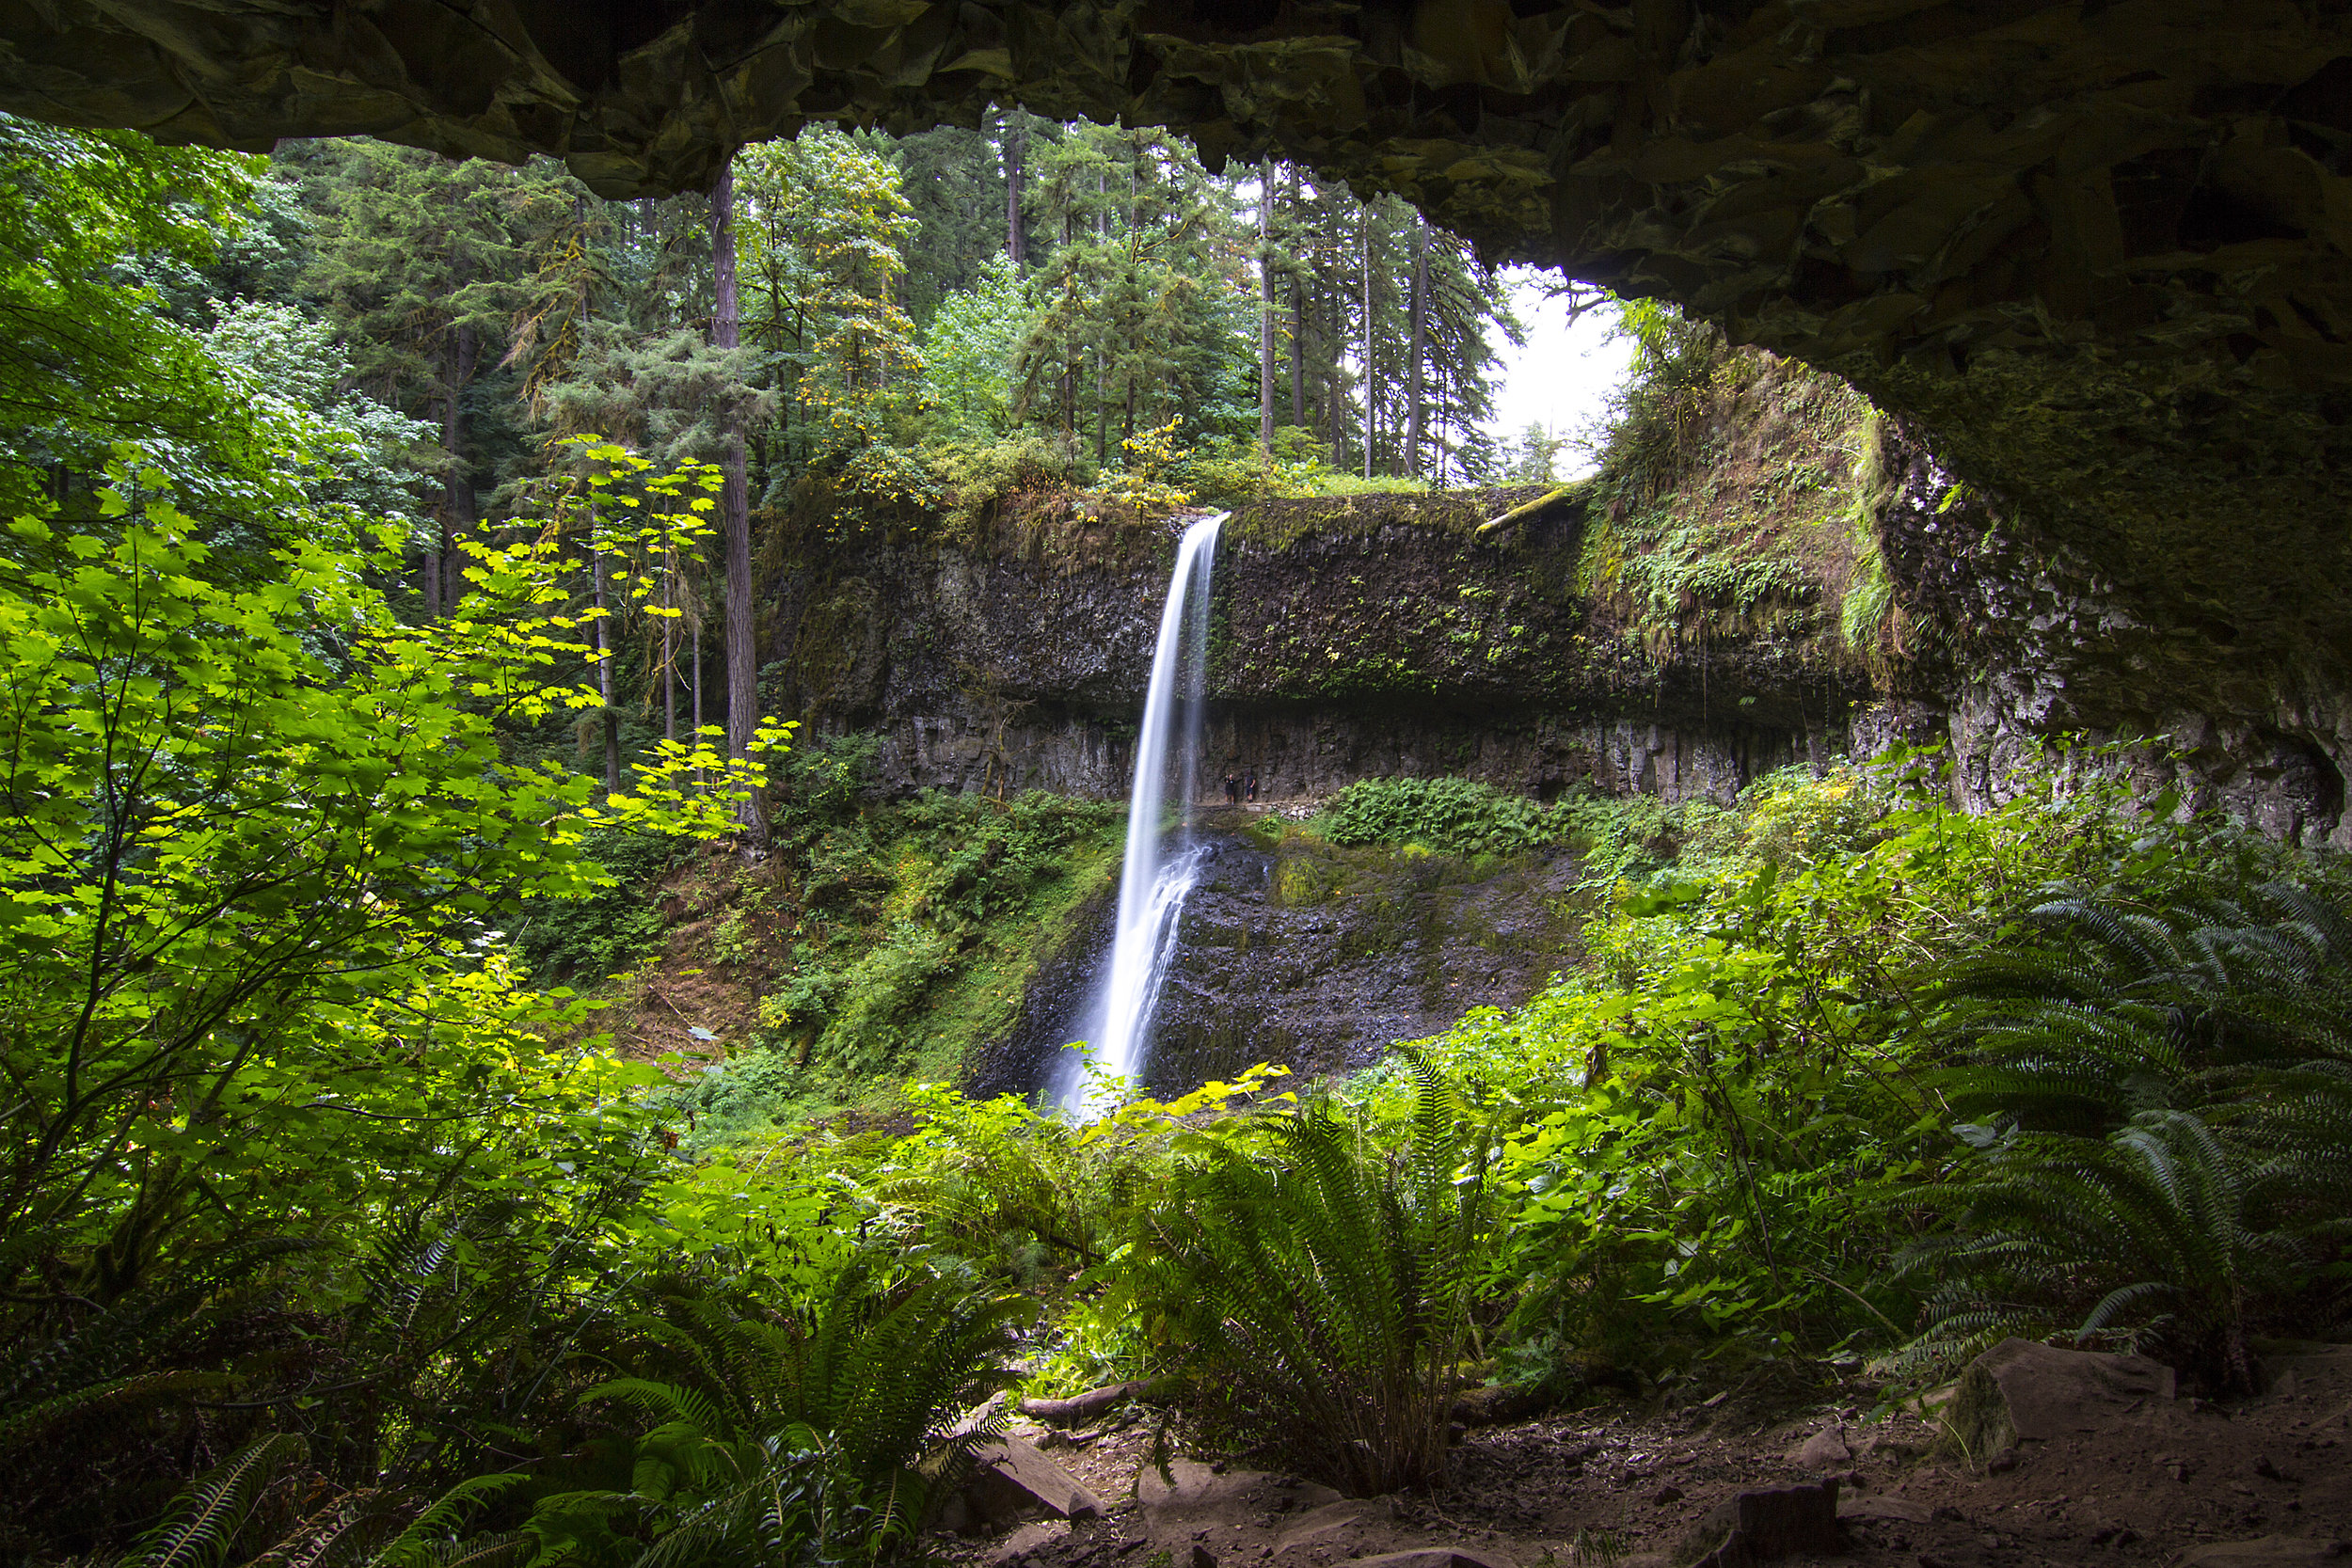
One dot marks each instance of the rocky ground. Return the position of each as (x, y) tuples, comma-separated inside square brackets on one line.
[(2078, 1458)]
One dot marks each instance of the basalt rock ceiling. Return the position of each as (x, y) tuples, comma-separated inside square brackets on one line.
[(2098, 254)]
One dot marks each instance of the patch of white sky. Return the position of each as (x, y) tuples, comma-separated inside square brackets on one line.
[(1561, 378)]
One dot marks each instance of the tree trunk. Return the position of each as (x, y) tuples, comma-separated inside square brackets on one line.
[(1334, 337), (734, 504), (604, 665), (1420, 341), (1016, 245), (458, 352), (1371, 410), (1265, 309), (1298, 341), (669, 651)]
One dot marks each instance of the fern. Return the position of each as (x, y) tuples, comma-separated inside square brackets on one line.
[(1322, 1297), (2166, 1102), (2119, 1010), (2159, 1232), (430, 1536), (797, 1438), (200, 1528)]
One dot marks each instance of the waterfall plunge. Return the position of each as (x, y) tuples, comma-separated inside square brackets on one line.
[(1159, 871)]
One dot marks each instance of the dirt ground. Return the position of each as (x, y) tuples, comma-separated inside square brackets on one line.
[(2166, 1481)]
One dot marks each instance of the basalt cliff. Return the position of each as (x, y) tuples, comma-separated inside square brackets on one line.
[(1807, 578)]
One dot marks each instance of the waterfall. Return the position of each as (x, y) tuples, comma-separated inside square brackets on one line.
[(1159, 870)]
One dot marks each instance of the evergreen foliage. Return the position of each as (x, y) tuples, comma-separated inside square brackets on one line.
[(325, 1237), (2165, 1098), (87, 360), (1321, 1286)]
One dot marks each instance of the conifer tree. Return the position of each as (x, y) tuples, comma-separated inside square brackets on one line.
[(735, 519), (422, 261)]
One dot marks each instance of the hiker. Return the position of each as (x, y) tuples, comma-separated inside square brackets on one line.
[(1249, 787), (1232, 790)]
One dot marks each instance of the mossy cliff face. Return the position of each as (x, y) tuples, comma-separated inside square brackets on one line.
[(2099, 249), (1371, 635)]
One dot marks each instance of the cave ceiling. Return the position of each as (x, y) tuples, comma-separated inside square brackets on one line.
[(2100, 254)]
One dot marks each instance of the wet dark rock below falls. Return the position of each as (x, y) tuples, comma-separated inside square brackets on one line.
[(1311, 956)]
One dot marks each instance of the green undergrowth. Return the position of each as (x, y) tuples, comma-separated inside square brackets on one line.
[(1779, 1116), (1453, 814), (1359, 508), (1640, 846), (877, 939), (1853, 1074)]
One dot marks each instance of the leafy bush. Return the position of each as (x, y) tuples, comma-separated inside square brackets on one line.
[(1736, 1122), (804, 1434), (974, 477), (2160, 1235), (1452, 815), (2164, 1103)]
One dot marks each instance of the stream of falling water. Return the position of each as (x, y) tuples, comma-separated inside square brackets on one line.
[(1160, 867)]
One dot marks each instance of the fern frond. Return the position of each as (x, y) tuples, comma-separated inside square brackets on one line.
[(417, 1545), (666, 1400), (201, 1525)]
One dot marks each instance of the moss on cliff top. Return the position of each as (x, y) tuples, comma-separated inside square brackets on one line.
[(1276, 525)]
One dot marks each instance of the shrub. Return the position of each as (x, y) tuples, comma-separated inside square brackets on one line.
[(2163, 1102), (973, 476), (1452, 815), (2160, 1234), (609, 931)]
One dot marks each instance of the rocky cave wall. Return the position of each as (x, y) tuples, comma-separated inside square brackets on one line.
[(2018, 643)]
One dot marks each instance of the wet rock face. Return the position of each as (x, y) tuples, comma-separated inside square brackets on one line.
[(1316, 959), (2101, 249), (1373, 638)]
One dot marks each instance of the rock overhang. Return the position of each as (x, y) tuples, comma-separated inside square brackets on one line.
[(2099, 254)]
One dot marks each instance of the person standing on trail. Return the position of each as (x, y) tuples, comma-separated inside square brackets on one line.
[(1249, 787), (1232, 790)]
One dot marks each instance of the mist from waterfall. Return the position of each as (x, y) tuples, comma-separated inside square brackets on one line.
[(1160, 866)]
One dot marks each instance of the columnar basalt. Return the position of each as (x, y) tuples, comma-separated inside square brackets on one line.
[(1380, 635)]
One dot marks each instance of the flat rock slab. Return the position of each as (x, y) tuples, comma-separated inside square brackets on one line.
[(2022, 1391), (1825, 1450), (2308, 1369), (1322, 1524), (1192, 1488), (1027, 1539), (1879, 1506), (1012, 1480), (2270, 1551)]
